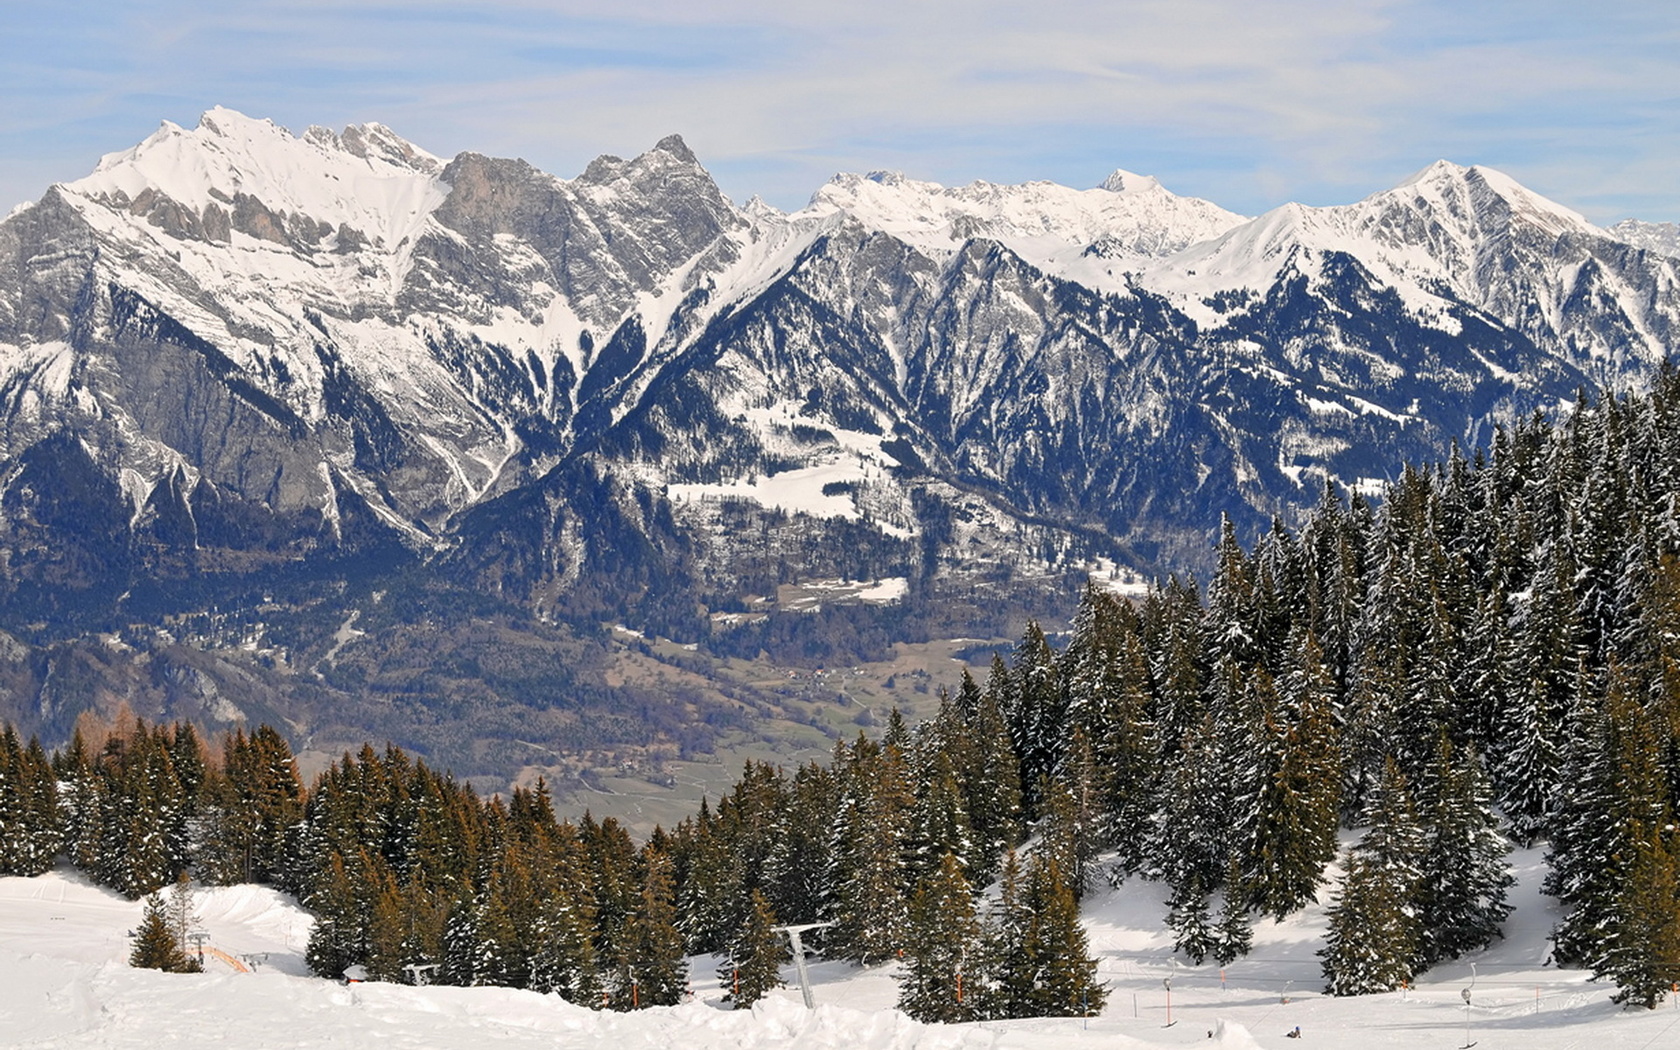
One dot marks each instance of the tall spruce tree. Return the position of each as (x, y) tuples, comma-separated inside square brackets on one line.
[(1057, 954), (30, 828), (871, 906), (1374, 936), (1643, 950), (755, 953), (1371, 944), (1463, 876), (941, 948), (1037, 719)]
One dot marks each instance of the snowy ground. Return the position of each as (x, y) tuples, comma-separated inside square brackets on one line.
[(64, 983)]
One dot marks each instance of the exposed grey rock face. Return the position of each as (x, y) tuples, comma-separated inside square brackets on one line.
[(1660, 237), (255, 350)]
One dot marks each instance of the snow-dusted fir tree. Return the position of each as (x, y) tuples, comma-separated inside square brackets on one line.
[(1064, 975), (650, 968), (1189, 844), (1233, 936), (753, 956), (938, 822), (1036, 715), (30, 828), (337, 939), (795, 869), (871, 905), (1372, 938), (941, 948), (1372, 943), (992, 789), (155, 946), (183, 913), (1547, 677), (1643, 948), (1463, 876), (1189, 920)]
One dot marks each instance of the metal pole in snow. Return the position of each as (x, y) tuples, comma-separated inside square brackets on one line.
[(798, 947)]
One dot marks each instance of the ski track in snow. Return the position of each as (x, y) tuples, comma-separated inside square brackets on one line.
[(64, 944)]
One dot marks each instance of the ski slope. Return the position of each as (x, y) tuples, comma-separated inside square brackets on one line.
[(64, 982)]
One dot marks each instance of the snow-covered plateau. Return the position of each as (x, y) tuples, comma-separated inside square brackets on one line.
[(66, 983)]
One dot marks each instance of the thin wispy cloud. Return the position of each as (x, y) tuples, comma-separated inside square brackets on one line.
[(1248, 104)]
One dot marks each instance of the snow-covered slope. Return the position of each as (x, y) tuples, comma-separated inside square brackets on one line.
[(1450, 237), (1128, 217), (63, 946)]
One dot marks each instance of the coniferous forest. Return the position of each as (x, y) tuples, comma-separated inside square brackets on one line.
[(1489, 654)]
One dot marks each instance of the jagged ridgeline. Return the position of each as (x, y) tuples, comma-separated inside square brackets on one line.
[(1493, 653), (325, 431)]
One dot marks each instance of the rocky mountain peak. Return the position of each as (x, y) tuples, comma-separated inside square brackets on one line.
[(1123, 181), (1660, 237)]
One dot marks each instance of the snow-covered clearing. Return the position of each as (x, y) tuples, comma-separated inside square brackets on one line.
[(64, 982)]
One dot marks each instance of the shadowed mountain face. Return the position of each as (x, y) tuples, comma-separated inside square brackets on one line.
[(233, 355)]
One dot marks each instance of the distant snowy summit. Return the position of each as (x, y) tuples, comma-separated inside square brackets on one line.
[(1129, 215)]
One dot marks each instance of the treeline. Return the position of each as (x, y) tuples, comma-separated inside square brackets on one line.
[(406, 868)]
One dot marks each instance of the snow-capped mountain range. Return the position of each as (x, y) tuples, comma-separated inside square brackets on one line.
[(232, 347)]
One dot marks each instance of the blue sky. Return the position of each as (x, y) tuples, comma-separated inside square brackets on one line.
[(1249, 103)]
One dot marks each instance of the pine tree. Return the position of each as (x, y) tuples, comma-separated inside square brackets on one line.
[(1068, 829), (939, 824), (498, 959), (155, 946), (387, 930), (1128, 754), (1463, 875), (1372, 940), (992, 790), (140, 802), (183, 919), (870, 907), (1234, 936), (650, 967), (755, 956), (1187, 918), (1007, 974), (1548, 678), (564, 960), (1294, 819), (1615, 784), (794, 872), (458, 965), (250, 807), (1064, 981), (1190, 840), (31, 834), (1374, 936), (1643, 955), (337, 939), (81, 803), (1037, 719), (941, 942)]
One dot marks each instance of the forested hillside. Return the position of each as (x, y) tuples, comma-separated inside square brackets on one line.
[(1490, 653)]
